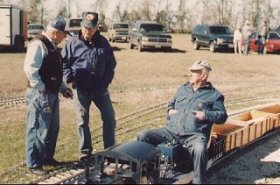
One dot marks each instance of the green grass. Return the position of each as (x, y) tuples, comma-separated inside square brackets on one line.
[(142, 80)]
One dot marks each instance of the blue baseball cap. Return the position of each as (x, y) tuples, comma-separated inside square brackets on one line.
[(90, 19), (59, 23)]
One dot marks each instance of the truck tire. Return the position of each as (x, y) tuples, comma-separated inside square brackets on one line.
[(140, 49), (195, 45), (19, 43), (212, 47), (131, 46)]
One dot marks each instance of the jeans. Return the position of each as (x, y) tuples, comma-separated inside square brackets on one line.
[(261, 45), (42, 126), (82, 107), (196, 145), (246, 46)]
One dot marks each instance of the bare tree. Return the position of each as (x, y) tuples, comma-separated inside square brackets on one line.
[(146, 10), (34, 10), (181, 15), (119, 14)]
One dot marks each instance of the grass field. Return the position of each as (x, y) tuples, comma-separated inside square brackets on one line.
[(142, 81)]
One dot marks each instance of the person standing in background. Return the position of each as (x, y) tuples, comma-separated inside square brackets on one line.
[(43, 68), (246, 33), (237, 41), (262, 37), (89, 65)]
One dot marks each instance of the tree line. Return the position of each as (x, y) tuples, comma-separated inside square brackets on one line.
[(183, 18)]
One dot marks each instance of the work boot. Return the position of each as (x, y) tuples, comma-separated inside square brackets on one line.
[(85, 156), (37, 171)]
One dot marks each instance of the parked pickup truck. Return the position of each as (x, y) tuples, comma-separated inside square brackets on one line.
[(148, 34), (118, 31)]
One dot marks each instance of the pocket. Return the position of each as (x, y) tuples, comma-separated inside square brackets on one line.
[(181, 100), (98, 59), (43, 102), (203, 105), (84, 80)]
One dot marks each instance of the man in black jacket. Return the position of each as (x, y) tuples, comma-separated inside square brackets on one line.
[(89, 64)]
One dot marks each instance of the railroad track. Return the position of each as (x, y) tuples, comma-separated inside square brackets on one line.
[(70, 171), (153, 115), (21, 99), (78, 173), (12, 101)]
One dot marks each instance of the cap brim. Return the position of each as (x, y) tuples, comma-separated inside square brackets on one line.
[(88, 24), (67, 33), (196, 68)]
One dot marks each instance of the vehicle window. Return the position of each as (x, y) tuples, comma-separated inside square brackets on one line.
[(35, 27), (203, 29), (199, 29), (219, 30), (120, 26), (253, 35), (75, 22), (274, 36), (151, 27)]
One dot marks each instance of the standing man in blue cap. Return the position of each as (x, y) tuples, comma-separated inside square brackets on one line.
[(89, 65), (43, 68)]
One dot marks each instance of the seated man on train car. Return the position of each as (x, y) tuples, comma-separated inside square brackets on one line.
[(191, 113)]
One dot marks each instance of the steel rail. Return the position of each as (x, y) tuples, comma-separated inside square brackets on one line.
[(219, 160), (135, 116)]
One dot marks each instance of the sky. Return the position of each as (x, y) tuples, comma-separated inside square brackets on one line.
[(111, 6), (51, 5)]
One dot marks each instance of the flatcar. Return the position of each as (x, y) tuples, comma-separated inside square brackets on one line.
[(137, 162)]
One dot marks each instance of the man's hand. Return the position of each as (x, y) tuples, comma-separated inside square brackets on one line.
[(68, 93), (73, 82), (172, 111), (199, 115)]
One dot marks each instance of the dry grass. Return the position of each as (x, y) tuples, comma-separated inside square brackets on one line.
[(145, 79)]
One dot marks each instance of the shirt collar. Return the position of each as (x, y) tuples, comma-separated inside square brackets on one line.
[(48, 37)]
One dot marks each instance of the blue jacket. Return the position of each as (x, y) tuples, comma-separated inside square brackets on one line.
[(206, 99), (90, 64)]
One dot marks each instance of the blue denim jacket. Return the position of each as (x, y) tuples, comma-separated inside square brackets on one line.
[(206, 99)]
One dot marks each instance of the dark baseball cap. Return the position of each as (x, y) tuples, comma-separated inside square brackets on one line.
[(89, 19), (59, 24)]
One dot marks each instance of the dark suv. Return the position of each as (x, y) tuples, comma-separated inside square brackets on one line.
[(212, 36), (148, 34)]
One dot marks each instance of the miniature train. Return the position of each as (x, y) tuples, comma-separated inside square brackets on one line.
[(137, 162)]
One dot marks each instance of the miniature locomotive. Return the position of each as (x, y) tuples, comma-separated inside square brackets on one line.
[(137, 162)]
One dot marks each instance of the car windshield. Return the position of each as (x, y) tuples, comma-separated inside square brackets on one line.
[(219, 30), (274, 36), (151, 27), (35, 27), (75, 22), (120, 26)]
